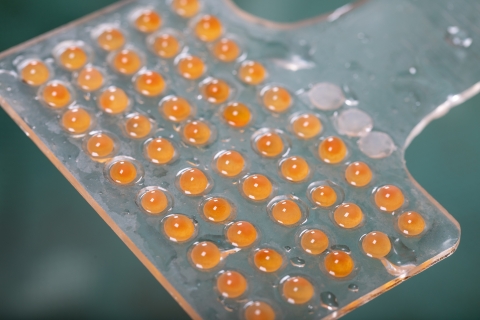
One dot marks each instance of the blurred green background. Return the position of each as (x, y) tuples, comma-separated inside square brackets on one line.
[(58, 259)]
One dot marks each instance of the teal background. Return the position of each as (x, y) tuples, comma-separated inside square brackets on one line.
[(58, 259)]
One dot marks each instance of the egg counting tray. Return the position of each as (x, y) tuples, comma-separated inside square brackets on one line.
[(323, 214)]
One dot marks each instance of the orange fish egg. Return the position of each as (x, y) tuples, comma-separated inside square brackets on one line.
[(178, 228), (259, 310), (154, 201), (226, 50), (270, 144), (191, 67), (237, 115), (35, 73), (358, 174), (252, 72), (76, 120), (123, 172), (231, 284), (205, 255), (185, 8), (217, 209), (332, 150), (216, 91), (197, 132), (348, 215), (294, 169), (100, 145), (411, 223), (376, 244), (90, 79), (138, 126), (111, 39), (126, 62), (324, 196), (314, 241), (150, 84), (257, 187), (160, 151), (306, 126), (175, 109), (286, 212), (339, 264), (208, 28), (56, 95), (276, 99), (241, 234), (230, 163), (147, 21), (268, 260), (389, 198), (193, 182), (165, 46), (73, 58), (113, 100), (297, 290)]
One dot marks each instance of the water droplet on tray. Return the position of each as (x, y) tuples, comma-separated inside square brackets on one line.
[(297, 262), (353, 287), (328, 300), (458, 37)]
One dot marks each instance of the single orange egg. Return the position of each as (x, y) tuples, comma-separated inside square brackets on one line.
[(231, 284), (269, 144), (276, 99), (259, 310), (185, 8), (56, 95), (297, 290), (147, 21), (358, 174), (324, 196), (160, 151), (237, 115), (314, 241), (150, 83), (111, 39), (216, 91), (35, 73), (257, 187), (306, 126), (178, 228), (332, 150), (138, 126), (113, 100), (205, 255), (241, 234), (175, 109), (165, 46), (76, 120), (73, 58), (286, 212), (348, 215), (197, 133), (191, 67), (193, 182), (123, 172), (268, 260), (294, 169), (376, 244), (252, 72), (389, 198), (411, 223), (217, 209), (154, 201), (339, 264), (230, 163), (90, 79), (226, 50), (208, 28), (127, 62), (100, 145)]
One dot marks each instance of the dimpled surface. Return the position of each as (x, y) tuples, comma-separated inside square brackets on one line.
[(176, 109), (100, 145), (259, 310), (208, 28), (56, 95), (111, 39), (154, 201), (411, 223), (127, 62), (269, 144), (90, 79), (286, 212), (73, 58), (376, 244), (76, 120), (268, 260), (252, 72), (277, 99), (186, 8), (389, 198), (358, 174), (150, 83), (160, 151), (226, 50), (348, 215), (35, 73), (217, 209), (230, 163), (306, 126), (205, 255), (241, 234), (339, 264), (193, 181), (297, 290), (191, 67), (237, 114), (166, 46), (257, 187), (216, 91), (295, 169), (123, 172), (314, 241), (324, 196), (178, 228), (332, 150), (113, 100), (231, 284)]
